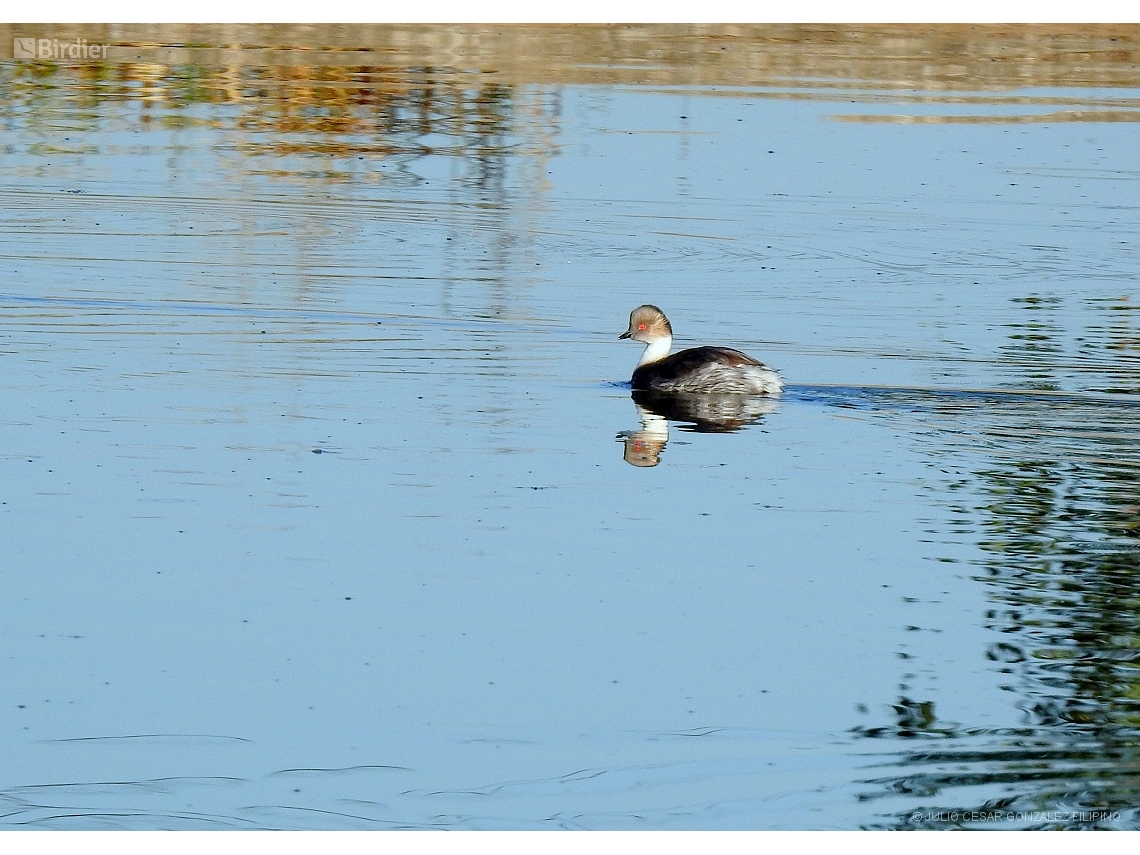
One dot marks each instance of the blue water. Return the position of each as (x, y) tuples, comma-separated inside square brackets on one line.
[(314, 506)]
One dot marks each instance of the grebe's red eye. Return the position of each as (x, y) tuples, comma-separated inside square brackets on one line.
[(641, 326)]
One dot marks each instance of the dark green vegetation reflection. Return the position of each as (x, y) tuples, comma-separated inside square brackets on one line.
[(1048, 485)]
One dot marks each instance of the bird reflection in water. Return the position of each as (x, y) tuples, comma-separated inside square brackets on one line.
[(700, 413)]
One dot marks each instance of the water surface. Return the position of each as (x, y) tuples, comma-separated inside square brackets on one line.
[(315, 504)]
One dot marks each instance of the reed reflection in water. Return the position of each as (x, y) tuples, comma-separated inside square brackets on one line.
[(307, 346), (1046, 485)]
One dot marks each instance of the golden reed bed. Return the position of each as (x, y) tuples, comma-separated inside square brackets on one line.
[(945, 57)]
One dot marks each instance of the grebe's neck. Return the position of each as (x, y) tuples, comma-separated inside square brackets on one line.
[(656, 350)]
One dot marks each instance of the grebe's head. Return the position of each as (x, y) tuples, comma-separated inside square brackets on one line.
[(648, 324)]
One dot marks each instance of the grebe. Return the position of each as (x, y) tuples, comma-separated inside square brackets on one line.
[(715, 370)]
